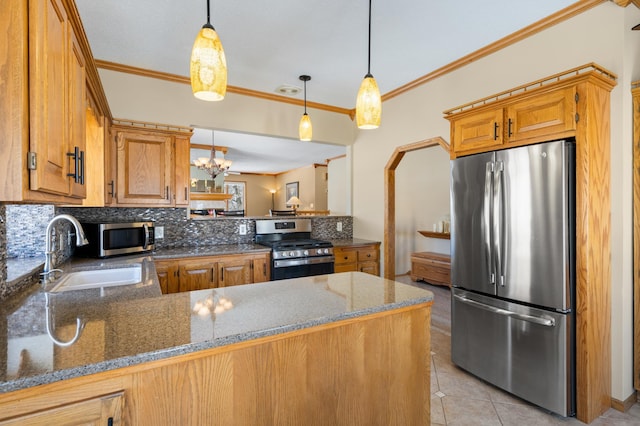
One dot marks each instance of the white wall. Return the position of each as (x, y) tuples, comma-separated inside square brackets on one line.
[(601, 35), (338, 196)]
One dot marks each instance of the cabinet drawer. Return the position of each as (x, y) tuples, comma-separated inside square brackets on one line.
[(367, 255), (345, 267), (345, 256)]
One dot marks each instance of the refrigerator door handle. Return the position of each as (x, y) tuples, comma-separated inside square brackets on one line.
[(487, 228), (545, 321), (498, 220)]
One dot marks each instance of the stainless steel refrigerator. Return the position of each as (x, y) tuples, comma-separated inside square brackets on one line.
[(513, 271)]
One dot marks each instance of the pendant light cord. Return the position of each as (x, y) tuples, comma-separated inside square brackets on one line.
[(305, 96), (369, 58), (208, 24)]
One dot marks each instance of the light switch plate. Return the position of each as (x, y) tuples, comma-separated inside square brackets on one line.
[(339, 226), (159, 232), (242, 229)]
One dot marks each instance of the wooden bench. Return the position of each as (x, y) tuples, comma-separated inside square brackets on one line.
[(434, 268)]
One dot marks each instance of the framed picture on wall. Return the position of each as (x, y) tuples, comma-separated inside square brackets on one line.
[(291, 191), (238, 195)]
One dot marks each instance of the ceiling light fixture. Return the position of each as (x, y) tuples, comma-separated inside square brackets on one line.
[(369, 102), (212, 165), (305, 129), (208, 64)]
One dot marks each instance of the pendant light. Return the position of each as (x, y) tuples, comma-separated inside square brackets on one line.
[(304, 129), (369, 102), (208, 64)]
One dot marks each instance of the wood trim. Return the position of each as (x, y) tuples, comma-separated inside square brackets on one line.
[(134, 124), (336, 158), (219, 148), (389, 246), (205, 196), (625, 405), (440, 235), (112, 66), (636, 233), (558, 17), (625, 3)]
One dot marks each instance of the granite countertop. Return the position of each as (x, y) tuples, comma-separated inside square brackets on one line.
[(134, 324), (347, 242), (215, 250)]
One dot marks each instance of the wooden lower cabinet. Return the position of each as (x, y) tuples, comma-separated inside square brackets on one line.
[(100, 410), (362, 258), (200, 273), (319, 375)]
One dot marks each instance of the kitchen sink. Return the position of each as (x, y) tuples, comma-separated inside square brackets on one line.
[(83, 280)]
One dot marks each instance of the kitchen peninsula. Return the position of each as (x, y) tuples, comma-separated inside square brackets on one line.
[(315, 350)]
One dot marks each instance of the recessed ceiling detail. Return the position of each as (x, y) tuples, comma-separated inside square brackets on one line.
[(288, 90)]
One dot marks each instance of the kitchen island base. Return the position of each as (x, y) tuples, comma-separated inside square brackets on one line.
[(371, 369)]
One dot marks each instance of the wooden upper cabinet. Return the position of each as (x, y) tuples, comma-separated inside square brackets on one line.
[(478, 131), (152, 164), (182, 170), (45, 69), (49, 57), (77, 113), (535, 118), (145, 166), (538, 116)]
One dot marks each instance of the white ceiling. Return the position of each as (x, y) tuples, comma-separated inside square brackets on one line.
[(271, 43)]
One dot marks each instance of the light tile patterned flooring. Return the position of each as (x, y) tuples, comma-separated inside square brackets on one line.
[(458, 398)]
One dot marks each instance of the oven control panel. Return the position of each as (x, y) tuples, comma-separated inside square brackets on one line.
[(290, 254)]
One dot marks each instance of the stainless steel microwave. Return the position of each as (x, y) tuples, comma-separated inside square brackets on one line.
[(117, 238)]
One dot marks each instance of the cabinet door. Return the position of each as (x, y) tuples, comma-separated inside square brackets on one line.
[(144, 171), (197, 275), (182, 170), (105, 410), (542, 116), (477, 132), (47, 87), (369, 268), (261, 270), (234, 271), (168, 276), (346, 260), (77, 113)]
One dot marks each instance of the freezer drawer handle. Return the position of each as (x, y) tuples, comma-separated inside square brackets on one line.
[(547, 322)]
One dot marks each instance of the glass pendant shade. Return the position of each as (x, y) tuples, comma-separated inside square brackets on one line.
[(304, 129), (208, 66), (368, 104)]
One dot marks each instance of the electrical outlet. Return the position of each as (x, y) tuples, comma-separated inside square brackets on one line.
[(339, 226), (242, 229), (159, 232)]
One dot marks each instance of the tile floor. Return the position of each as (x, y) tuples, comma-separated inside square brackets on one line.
[(458, 398)]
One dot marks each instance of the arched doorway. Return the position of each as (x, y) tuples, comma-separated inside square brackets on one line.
[(389, 246)]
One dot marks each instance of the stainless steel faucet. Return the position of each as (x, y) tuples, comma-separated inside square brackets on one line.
[(81, 240)]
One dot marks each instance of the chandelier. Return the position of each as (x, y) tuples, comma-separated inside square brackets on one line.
[(212, 165)]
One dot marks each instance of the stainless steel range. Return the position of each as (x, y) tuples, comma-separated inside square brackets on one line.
[(293, 252)]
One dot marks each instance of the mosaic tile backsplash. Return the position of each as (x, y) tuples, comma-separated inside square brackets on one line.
[(23, 229), (179, 231)]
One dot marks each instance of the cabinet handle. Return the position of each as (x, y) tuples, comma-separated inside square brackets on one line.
[(76, 156), (264, 269), (495, 131), (222, 274), (166, 192), (81, 161), (186, 193), (509, 129), (112, 192), (110, 421)]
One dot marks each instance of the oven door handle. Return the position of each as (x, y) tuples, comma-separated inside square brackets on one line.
[(303, 261)]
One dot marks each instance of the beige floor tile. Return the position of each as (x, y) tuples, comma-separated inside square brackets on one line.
[(465, 411), (437, 411), (463, 386)]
